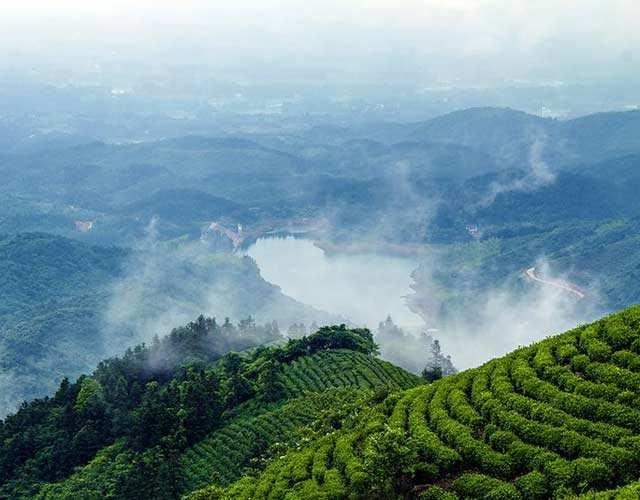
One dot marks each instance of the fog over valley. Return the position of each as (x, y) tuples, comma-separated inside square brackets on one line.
[(365, 288), (283, 250)]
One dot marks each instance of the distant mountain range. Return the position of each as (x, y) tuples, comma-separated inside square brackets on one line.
[(525, 185), (317, 171)]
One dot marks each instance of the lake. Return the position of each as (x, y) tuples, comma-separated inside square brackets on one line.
[(363, 288)]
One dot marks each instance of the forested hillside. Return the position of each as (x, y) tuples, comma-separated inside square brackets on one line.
[(52, 292), (65, 305), (512, 177), (170, 417)]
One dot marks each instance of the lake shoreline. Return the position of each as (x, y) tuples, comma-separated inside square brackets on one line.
[(359, 283), (406, 250)]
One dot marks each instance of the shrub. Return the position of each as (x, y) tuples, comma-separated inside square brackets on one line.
[(333, 485), (208, 493), (460, 437), (532, 486), (306, 489), (429, 446), (591, 473), (626, 359), (389, 460), (321, 459), (559, 473), (580, 362), (504, 492), (501, 440), (621, 377), (437, 493), (526, 456), (301, 464), (481, 486), (565, 352), (617, 334), (597, 350)]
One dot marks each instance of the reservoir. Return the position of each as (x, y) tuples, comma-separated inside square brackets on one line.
[(363, 288)]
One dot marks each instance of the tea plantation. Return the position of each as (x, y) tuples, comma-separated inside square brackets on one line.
[(310, 382), (558, 419)]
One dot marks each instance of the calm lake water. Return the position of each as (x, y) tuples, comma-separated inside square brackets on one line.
[(364, 288)]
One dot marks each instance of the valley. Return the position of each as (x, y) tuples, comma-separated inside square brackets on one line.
[(167, 300), (322, 250)]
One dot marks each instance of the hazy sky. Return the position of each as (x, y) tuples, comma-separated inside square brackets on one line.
[(424, 41)]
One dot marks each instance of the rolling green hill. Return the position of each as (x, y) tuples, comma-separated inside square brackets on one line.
[(51, 295), (166, 419), (226, 452), (559, 419), (322, 417)]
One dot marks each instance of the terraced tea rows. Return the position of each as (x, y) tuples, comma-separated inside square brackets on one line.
[(558, 419), (227, 452), (342, 368), (312, 384)]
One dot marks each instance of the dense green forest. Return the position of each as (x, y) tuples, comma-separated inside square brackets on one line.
[(52, 290)]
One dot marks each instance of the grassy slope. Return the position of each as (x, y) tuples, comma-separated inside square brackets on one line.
[(558, 418), (309, 383)]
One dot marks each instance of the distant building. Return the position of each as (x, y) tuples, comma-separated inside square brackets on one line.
[(220, 238), (83, 226)]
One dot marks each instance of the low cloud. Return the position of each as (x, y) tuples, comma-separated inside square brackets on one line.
[(166, 285), (514, 313), (538, 174)]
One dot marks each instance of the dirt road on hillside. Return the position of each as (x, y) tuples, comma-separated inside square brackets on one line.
[(563, 285)]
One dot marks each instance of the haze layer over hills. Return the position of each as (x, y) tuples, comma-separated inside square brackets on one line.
[(506, 227)]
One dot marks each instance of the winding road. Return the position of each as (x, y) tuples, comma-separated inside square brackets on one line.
[(563, 285)]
